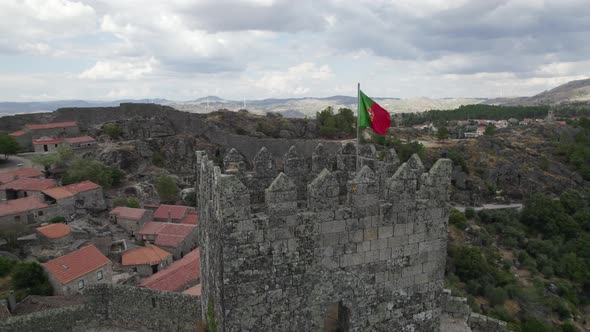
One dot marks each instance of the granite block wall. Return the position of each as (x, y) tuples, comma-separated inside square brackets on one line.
[(117, 307), (281, 250)]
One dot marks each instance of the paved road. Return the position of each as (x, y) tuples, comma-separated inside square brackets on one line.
[(517, 206), (13, 161)]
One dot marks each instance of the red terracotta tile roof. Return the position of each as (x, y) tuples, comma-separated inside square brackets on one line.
[(150, 228), (176, 211), (71, 189), (29, 184), (76, 264), (48, 141), (51, 125), (176, 276), (167, 234), (194, 291), (21, 205), (190, 219), (149, 255), (128, 213), (17, 133), (80, 139), (58, 192), (54, 231), (172, 235), (19, 173), (83, 186)]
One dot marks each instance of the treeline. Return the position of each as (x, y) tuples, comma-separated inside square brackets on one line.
[(477, 111), (577, 152), (336, 125), (547, 244)]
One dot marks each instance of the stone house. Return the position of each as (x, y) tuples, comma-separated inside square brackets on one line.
[(25, 187), (9, 176), (81, 195), (181, 275), (80, 142), (175, 213), (131, 219), (52, 144), (73, 273), (55, 129), (47, 145), (32, 132), (54, 234), (146, 260), (23, 139), (27, 211), (179, 239)]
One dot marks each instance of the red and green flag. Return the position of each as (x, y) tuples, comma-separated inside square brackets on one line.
[(372, 115)]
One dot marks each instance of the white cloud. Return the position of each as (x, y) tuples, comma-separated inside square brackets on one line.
[(296, 80), (38, 22), (271, 48), (110, 70)]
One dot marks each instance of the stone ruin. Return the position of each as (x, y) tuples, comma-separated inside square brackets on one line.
[(319, 246)]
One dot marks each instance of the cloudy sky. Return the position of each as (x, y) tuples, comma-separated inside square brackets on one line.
[(185, 49)]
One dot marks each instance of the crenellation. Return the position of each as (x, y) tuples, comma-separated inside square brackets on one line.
[(366, 240)]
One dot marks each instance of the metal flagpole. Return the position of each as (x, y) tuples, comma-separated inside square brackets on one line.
[(358, 122)]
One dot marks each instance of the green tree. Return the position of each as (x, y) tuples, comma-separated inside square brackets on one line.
[(470, 213), (458, 219), (345, 121), (45, 160), (29, 275), (490, 130), (469, 262), (113, 130), (167, 189), (92, 170), (442, 133), (8, 146), (6, 266), (573, 267)]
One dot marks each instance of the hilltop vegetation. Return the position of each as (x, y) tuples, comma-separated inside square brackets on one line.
[(529, 268), (491, 112)]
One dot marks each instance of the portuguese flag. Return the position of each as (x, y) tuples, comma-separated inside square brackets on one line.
[(372, 115)]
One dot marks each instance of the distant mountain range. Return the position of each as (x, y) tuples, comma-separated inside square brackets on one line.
[(574, 91)]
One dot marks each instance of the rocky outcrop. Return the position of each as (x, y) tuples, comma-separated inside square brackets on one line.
[(512, 164)]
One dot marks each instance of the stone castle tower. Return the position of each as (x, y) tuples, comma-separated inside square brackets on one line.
[(320, 247)]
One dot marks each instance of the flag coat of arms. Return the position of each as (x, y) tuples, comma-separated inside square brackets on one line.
[(373, 115)]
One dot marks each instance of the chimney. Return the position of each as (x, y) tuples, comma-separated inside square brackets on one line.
[(169, 215), (11, 301)]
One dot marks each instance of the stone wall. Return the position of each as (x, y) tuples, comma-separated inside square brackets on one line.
[(372, 242), (457, 307), (113, 307)]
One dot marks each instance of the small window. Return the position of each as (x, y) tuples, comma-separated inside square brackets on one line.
[(40, 213), (81, 284), (99, 275), (16, 218), (153, 302)]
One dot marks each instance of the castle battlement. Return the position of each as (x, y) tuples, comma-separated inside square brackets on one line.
[(315, 244)]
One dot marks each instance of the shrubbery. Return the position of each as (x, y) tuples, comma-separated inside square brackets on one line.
[(167, 189), (458, 219), (549, 239), (27, 277), (113, 130), (130, 202)]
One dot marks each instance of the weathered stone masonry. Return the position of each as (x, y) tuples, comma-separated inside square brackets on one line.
[(115, 307), (279, 249)]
